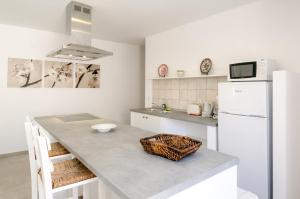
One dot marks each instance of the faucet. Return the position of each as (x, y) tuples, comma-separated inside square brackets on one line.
[(162, 107)]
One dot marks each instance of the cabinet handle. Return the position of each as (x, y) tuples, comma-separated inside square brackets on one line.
[(145, 117)]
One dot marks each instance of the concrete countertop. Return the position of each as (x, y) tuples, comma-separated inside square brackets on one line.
[(118, 159), (178, 115)]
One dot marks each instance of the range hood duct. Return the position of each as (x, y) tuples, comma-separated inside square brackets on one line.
[(78, 30)]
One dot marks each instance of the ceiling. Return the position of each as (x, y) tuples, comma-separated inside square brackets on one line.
[(128, 21)]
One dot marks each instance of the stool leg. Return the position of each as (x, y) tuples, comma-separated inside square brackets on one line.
[(75, 193), (40, 189), (34, 187)]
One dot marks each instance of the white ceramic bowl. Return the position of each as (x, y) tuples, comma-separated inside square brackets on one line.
[(104, 128)]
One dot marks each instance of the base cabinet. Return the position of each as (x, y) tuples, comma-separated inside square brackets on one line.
[(145, 121)]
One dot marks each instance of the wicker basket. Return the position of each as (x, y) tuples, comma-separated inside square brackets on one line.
[(173, 147)]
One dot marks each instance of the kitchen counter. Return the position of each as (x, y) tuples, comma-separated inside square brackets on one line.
[(119, 161), (178, 115)]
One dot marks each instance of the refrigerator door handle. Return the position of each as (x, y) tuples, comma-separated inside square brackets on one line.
[(260, 116), (226, 112)]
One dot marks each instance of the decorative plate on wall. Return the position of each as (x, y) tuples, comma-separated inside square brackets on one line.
[(205, 66), (162, 70)]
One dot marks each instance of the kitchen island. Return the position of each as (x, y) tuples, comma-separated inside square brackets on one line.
[(126, 171)]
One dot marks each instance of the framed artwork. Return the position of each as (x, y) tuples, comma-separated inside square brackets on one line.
[(24, 73), (87, 76), (58, 74)]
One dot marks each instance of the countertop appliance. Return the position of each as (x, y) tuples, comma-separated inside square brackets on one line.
[(207, 109), (194, 109), (245, 131), (260, 70)]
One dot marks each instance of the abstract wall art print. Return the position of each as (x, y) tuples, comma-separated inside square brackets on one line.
[(87, 76), (58, 74), (24, 73)]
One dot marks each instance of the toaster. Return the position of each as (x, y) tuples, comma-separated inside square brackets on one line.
[(194, 109)]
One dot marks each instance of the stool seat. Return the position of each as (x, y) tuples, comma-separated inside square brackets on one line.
[(69, 172), (57, 150)]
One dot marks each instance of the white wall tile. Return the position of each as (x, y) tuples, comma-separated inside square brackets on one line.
[(175, 104), (169, 102), (175, 84), (183, 96), (201, 96), (211, 95), (162, 101), (155, 84), (192, 83), (201, 83), (192, 95), (155, 93), (183, 83), (161, 84), (162, 94), (212, 83), (168, 94), (168, 84), (155, 101), (182, 105), (175, 94)]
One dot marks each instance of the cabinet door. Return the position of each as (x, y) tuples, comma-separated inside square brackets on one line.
[(245, 98), (248, 138), (145, 121)]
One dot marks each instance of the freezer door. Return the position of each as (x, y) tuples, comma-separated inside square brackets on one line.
[(248, 139), (245, 98)]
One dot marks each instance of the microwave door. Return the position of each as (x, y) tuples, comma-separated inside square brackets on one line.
[(243, 70)]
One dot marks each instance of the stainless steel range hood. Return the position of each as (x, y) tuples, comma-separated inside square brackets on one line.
[(78, 46)]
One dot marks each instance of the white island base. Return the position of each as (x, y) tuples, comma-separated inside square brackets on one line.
[(220, 186)]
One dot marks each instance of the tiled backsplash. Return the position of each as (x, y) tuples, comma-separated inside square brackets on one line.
[(178, 93)]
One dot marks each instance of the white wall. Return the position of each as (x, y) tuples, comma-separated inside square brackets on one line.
[(122, 87), (286, 137), (263, 29)]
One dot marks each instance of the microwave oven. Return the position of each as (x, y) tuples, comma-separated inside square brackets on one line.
[(260, 70)]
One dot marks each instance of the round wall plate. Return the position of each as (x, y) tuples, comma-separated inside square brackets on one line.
[(162, 70), (205, 65)]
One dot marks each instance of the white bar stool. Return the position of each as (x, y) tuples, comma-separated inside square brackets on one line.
[(56, 150), (32, 160), (60, 176)]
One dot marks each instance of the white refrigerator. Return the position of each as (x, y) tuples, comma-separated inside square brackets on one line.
[(245, 131)]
